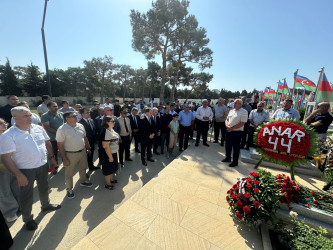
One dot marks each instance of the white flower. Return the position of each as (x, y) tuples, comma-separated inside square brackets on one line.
[(293, 214)]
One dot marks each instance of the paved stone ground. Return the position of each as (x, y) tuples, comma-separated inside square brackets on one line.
[(183, 206)]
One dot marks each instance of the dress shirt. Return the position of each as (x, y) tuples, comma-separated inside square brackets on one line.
[(172, 112), (73, 137), (89, 123), (185, 119), (220, 111), (123, 131), (135, 120), (237, 116), (284, 114), (259, 117), (42, 109), (28, 147), (201, 112), (247, 107)]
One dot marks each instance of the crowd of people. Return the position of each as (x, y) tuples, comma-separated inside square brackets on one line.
[(31, 145)]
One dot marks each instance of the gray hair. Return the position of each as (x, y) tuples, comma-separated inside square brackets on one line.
[(15, 111), (154, 108), (239, 100)]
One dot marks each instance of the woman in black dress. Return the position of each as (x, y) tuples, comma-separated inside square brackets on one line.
[(108, 148)]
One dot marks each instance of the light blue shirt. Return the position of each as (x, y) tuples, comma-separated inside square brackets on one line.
[(185, 119), (286, 114)]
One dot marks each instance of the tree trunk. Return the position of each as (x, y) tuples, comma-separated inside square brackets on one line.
[(163, 77)]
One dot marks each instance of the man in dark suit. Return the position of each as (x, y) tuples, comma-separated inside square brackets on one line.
[(89, 126), (157, 130), (134, 119), (146, 136)]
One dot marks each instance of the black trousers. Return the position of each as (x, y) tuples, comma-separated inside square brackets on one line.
[(184, 132), (246, 131), (202, 129), (90, 158), (5, 236), (250, 137), (217, 127), (157, 142), (233, 140), (124, 146), (165, 136), (146, 146), (55, 149), (136, 137)]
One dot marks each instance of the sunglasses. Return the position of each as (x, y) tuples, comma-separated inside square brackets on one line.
[(111, 121)]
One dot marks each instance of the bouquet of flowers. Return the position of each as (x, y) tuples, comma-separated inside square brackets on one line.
[(254, 198), (288, 189)]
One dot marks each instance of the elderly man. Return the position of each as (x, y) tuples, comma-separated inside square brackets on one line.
[(146, 128), (51, 121), (287, 112), (235, 121), (186, 121), (42, 108), (320, 119), (23, 150), (221, 113), (73, 146), (134, 119), (203, 114), (5, 110), (256, 118), (89, 127), (125, 135), (35, 117)]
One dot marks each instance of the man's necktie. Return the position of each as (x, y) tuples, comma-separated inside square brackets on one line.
[(92, 128), (134, 118), (125, 125)]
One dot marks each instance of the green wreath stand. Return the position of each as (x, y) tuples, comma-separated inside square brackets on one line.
[(291, 164)]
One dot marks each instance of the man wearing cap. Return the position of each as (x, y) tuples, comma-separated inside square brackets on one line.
[(73, 146), (134, 119), (125, 135), (203, 114)]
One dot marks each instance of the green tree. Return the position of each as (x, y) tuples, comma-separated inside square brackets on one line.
[(32, 81), (198, 84), (9, 84), (153, 73), (153, 31), (124, 74)]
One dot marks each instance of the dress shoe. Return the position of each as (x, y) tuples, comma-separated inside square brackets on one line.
[(162, 153), (197, 144), (144, 163), (51, 207), (156, 153), (205, 144), (129, 159), (181, 150), (31, 225), (122, 165), (222, 144), (93, 168), (215, 141), (226, 160), (232, 164), (151, 160)]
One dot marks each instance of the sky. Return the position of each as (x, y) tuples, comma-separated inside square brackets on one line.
[(255, 43)]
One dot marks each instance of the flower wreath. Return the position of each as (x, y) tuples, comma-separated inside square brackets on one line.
[(287, 142)]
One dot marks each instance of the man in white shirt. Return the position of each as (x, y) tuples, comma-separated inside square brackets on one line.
[(203, 114), (23, 150), (42, 108), (234, 123), (107, 103)]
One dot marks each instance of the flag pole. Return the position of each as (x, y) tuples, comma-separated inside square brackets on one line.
[(295, 76), (284, 82), (320, 77)]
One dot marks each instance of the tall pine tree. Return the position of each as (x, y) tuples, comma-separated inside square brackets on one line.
[(9, 84)]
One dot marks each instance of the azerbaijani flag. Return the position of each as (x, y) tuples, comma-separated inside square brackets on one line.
[(272, 92), (280, 87), (266, 92), (324, 92), (310, 97), (286, 90), (303, 82), (261, 97)]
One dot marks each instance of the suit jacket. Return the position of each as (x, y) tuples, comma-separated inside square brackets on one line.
[(145, 129), (157, 124), (133, 124), (90, 132)]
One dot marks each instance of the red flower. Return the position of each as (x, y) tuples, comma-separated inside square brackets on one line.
[(235, 185), (246, 209), (230, 204), (248, 179), (322, 197), (236, 188), (315, 201), (254, 174), (256, 182), (256, 190), (307, 205), (248, 185), (331, 193), (239, 216), (247, 195), (237, 197), (233, 196), (256, 204), (239, 204), (227, 198), (313, 192)]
